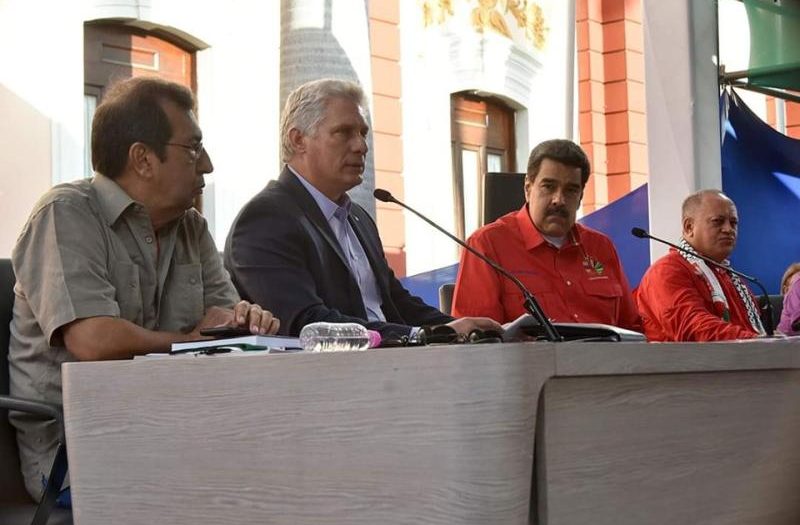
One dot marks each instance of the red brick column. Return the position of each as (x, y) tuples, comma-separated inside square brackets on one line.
[(611, 100), (792, 117), (384, 38)]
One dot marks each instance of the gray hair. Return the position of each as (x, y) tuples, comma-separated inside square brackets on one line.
[(305, 107), (693, 202)]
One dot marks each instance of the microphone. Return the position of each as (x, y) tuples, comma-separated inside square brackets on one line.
[(767, 308), (530, 303)]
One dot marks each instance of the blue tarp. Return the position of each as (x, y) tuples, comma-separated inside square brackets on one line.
[(761, 173), (426, 284), (615, 220)]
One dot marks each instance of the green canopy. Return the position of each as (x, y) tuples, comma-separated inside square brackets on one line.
[(774, 43)]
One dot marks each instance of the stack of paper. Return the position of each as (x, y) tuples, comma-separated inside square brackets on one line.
[(248, 342)]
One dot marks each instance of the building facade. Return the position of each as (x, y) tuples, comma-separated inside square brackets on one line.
[(458, 89)]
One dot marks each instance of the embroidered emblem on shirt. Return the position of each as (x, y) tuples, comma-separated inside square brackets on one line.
[(591, 264)]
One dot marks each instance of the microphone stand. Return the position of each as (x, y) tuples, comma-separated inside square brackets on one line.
[(766, 309), (530, 304)]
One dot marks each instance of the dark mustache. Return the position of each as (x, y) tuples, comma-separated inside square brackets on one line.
[(558, 210)]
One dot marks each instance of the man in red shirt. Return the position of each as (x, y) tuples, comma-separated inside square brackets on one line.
[(573, 271), (681, 298)]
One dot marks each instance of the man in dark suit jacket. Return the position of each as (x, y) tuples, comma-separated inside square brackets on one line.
[(302, 249)]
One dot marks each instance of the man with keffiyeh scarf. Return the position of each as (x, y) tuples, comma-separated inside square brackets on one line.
[(681, 298)]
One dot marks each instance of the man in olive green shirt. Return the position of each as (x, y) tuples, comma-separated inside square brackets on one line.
[(120, 264)]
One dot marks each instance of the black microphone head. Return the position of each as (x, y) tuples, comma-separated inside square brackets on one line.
[(382, 195), (638, 232)]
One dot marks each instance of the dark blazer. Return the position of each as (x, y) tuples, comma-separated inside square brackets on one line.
[(282, 254)]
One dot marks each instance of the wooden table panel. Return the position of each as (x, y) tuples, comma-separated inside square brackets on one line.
[(429, 435), (703, 448)]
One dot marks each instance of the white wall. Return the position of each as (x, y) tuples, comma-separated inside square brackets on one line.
[(41, 104), (237, 90), (683, 131), (238, 99), (682, 100), (41, 96), (443, 59)]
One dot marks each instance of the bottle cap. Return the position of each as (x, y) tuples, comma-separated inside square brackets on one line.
[(374, 338)]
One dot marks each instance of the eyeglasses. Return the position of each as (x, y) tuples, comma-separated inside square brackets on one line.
[(195, 152)]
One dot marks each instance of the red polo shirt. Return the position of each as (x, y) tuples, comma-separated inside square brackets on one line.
[(675, 302), (581, 282)]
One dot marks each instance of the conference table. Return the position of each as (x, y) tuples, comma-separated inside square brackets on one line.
[(567, 433)]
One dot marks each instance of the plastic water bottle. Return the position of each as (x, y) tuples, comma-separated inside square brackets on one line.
[(337, 337)]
